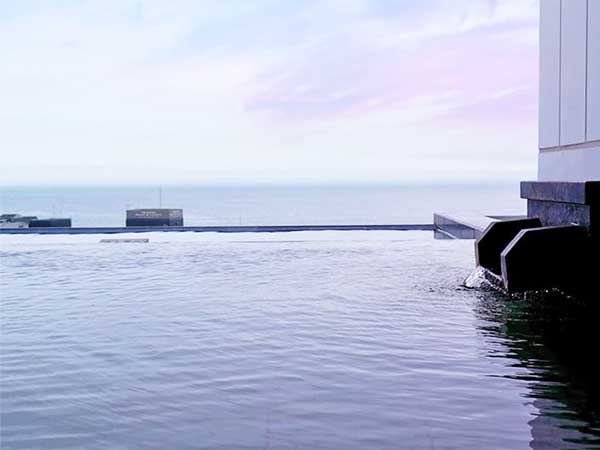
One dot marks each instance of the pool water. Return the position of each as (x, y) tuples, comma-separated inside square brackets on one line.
[(308, 340)]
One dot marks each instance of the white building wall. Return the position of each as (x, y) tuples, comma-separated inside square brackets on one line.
[(593, 79), (570, 165), (573, 56), (569, 129), (549, 120)]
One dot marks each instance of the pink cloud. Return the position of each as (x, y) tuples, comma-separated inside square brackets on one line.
[(487, 72)]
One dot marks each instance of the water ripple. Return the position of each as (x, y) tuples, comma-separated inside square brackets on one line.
[(276, 342)]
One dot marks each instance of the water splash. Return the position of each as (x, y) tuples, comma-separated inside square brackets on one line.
[(479, 279)]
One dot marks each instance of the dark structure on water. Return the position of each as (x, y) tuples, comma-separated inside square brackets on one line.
[(17, 221), (50, 223), (159, 217)]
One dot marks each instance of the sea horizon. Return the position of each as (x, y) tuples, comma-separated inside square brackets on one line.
[(263, 204)]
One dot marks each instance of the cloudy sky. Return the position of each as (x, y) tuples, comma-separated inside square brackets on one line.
[(230, 91)]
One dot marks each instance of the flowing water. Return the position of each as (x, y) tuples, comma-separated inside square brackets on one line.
[(309, 340)]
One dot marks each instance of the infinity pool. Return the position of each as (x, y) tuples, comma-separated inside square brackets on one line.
[(309, 340)]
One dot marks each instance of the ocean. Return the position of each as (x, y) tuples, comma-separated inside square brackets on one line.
[(265, 205), (304, 340)]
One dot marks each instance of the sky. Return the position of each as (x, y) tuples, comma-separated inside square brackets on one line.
[(267, 91)]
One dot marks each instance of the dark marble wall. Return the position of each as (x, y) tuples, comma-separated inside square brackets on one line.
[(562, 203)]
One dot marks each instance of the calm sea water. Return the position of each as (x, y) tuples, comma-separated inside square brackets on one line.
[(309, 340), (262, 205)]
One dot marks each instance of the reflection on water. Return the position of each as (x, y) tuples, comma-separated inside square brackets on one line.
[(556, 340)]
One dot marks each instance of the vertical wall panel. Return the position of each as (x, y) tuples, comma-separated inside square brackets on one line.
[(573, 71), (549, 119), (575, 165), (593, 91)]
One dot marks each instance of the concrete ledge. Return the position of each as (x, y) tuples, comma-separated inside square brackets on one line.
[(219, 229), (496, 237), (546, 258), (586, 193), (453, 226), (460, 226)]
